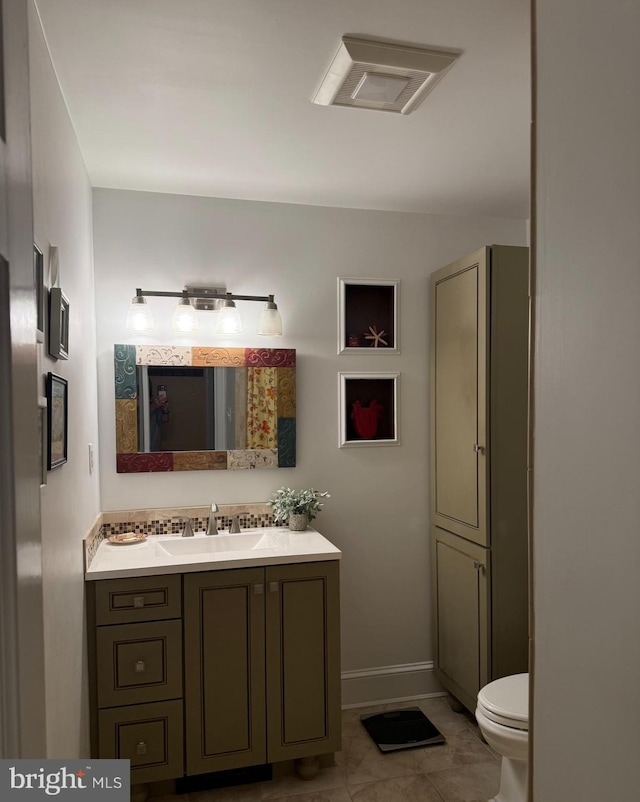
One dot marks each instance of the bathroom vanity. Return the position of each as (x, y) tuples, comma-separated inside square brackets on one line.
[(214, 653)]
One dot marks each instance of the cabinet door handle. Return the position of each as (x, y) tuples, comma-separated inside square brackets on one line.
[(273, 587), (141, 748), (140, 666), (478, 565), (138, 601), (478, 448), (258, 590)]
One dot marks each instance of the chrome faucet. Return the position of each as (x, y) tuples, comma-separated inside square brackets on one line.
[(212, 528), (234, 529), (187, 531)]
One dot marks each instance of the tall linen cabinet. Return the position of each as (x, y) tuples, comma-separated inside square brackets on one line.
[(479, 400)]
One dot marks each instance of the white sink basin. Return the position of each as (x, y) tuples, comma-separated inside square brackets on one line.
[(222, 544)]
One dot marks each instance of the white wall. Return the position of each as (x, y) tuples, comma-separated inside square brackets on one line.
[(587, 429), (378, 511), (70, 501)]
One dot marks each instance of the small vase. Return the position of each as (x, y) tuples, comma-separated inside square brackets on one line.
[(298, 522)]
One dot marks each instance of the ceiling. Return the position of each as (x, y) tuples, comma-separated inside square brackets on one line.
[(213, 97)]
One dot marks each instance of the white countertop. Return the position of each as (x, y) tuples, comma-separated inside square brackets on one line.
[(263, 546)]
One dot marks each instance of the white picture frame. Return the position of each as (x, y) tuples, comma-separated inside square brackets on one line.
[(361, 424), (38, 280), (357, 320)]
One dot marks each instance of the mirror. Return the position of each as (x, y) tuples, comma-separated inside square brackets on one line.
[(191, 409), (182, 408)]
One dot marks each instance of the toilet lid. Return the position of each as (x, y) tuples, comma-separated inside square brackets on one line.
[(506, 701)]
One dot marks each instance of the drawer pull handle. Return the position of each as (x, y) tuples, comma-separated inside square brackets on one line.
[(141, 748), (258, 590), (140, 666), (138, 601), (273, 587)]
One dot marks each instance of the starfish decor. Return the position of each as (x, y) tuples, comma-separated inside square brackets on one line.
[(375, 336)]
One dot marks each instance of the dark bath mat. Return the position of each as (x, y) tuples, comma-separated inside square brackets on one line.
[(401, 729)]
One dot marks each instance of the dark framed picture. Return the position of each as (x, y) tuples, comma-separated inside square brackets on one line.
[(42, 434), (58, 324), (38, 281), (57, 420)]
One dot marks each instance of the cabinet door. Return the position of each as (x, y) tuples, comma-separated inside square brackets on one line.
[(224, 669), (461, 579), (459, 399), (303, 660)]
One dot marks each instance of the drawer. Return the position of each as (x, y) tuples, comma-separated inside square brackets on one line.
[(150, 736), (144, 598), (139, 663)]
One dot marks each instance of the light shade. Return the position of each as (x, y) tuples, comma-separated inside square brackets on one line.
[(229, 320), (270, 322), (184, 320), (139, 317), (380, 88)]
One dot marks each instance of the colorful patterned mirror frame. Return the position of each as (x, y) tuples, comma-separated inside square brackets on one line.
[(266, 424)]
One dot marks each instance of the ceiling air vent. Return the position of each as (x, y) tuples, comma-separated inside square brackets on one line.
[(379, 75)]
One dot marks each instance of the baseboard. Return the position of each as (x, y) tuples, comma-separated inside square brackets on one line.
[(385, 684)]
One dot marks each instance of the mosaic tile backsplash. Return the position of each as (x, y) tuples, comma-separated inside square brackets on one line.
[(163, 522), (161, 527)]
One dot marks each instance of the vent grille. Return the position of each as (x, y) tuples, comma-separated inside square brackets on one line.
[(345, 95), (356, 59)]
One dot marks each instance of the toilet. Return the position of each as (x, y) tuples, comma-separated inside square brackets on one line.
[(503, 717)]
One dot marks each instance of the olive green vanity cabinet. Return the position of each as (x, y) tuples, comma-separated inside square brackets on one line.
[(136, 674), (216, 670), (262, 665), (479, 434)]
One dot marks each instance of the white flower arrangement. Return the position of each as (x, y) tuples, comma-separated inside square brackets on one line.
[(286, 502)]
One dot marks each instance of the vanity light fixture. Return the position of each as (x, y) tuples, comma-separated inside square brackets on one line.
[(139, 317), (270, 322), (185, 320), (229, 320)]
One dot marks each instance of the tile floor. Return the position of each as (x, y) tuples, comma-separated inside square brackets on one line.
[(463, 770)]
